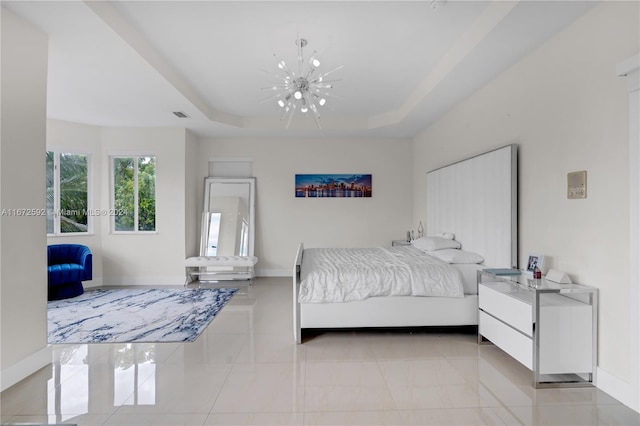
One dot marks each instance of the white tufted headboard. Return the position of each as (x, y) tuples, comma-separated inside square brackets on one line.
[(477, 200)]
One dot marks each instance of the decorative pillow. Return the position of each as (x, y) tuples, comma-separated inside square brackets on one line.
[(457, 256), (435, 243), (448, 235)]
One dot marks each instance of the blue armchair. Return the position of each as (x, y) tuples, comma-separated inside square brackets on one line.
[(68, 266)]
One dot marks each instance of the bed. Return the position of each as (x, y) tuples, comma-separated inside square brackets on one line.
[(472, 202)]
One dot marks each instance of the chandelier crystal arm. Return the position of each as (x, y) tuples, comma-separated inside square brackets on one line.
[(316, 115), (313, 106), (322, 76), (310, 73), (271, 74), (271, 98), (316, 81), (290, 111), (276, 87), (324, 86), (283, 66)]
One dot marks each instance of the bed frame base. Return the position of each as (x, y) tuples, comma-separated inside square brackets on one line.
[(391, 312), (378, 312)]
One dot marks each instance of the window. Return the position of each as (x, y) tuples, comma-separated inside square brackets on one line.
[(67, 193), (134, 193)]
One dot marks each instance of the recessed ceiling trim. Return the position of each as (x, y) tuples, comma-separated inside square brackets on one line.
[(492, 15), (133, 38)]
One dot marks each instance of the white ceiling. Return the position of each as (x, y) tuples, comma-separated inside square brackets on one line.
[(131, 63)]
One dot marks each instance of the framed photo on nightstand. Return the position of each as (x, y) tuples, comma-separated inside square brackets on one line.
[(534, 260)]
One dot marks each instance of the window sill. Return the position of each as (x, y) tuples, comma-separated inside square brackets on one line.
[(72, 234), (133, 233)]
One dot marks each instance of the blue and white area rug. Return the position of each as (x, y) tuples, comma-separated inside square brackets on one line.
[(135, 315)]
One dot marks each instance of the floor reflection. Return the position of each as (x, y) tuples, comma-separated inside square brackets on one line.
[(246, 369), (69, 385), (132, 377), (134, 374)]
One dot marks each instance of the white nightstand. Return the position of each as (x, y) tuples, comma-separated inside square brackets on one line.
[(548, 327), (400, 243)]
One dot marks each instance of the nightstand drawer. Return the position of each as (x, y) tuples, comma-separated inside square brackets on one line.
[(506, 338), (510, 310)]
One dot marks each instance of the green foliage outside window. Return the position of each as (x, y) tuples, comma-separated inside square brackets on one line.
[(123, 178), (134, 180), (147, 194), (69, 207), (73, 193)]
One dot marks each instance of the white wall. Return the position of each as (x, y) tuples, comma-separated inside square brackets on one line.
[(76, 138), (23, 253), (155, 259), (192, 193), (150, 259), (567, 111), (282, 221), (629, 69)]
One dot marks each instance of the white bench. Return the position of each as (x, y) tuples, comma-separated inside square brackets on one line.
[(220, 268)]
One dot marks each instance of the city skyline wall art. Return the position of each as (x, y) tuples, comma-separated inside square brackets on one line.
[(333, 185)]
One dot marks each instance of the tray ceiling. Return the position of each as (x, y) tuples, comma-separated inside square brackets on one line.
[(133, 63)]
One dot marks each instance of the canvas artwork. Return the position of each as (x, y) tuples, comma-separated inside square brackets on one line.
[(333, 186)]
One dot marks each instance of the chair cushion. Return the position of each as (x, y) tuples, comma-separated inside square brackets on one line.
[(68, 272), (246, 261)]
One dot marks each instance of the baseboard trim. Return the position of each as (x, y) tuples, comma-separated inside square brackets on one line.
[(169, 280), (617, 388), (273, 272), (25, 367)]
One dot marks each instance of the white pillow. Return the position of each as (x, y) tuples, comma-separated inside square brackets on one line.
[(435, 243), (457, 256), (448, 235)]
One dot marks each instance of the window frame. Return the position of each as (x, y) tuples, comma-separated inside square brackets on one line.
[(112, 193), (56, 192)]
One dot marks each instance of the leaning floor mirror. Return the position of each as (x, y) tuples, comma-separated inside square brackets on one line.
[(228, 220)]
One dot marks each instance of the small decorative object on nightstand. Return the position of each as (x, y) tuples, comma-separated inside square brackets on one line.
[(548, 327), (535, 261), (400, 243), (558, 277)]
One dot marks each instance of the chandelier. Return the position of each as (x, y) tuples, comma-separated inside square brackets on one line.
[(304, 90)]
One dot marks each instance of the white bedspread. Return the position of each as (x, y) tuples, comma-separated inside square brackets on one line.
[(343, 275)]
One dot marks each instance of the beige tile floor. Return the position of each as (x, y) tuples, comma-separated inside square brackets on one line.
[(245, 370)]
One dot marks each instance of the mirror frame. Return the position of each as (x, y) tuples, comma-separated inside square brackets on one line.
[(204, 230)]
